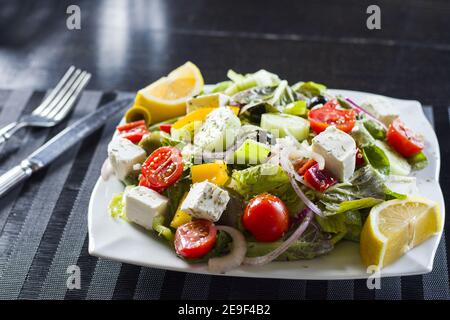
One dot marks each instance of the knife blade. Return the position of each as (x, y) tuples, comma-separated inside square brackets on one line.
[(63, 141)]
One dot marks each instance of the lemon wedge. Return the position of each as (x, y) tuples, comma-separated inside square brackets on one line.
[(166, 98), (396, 226)]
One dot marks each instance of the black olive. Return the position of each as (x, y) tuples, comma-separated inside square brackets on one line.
[(256, 113), (316, 100)]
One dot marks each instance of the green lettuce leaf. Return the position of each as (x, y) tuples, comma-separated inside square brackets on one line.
[(377, 158), (268, 178), (221, 86), (361, 135), (258, 179), (261, 78), (375, 129), (348, 225), (365, 189), (310, 88)]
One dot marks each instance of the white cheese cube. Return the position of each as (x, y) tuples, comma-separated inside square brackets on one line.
[(142, 204), (380, 108), (214, 100), (123, 155), (339, 151), (219, 130), (205, 200)]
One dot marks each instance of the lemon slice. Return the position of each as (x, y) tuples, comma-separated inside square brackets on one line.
[(166, 98), (396, 226)]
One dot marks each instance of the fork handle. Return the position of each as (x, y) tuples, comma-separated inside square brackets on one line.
[(14, 176), (7, 131)]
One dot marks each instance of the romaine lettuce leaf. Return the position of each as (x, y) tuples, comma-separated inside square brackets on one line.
[(261, 78), (310, 88), (375, 129), (365, 189), (258, 179), (348, 225), (268, 178), (221, 86)]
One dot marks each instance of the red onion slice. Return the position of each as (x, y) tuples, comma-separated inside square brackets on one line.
[(235, 258), (258, 261), (293, 178), (357, 107)]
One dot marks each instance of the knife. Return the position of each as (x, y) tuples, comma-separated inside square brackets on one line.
[(60, 143)]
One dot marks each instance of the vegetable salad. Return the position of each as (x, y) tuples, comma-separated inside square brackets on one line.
[(261, 170)]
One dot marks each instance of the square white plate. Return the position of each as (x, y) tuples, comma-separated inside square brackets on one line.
[(116, 239)]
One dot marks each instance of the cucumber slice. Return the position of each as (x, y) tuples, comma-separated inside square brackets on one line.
[(399, 165), (251, 152), (280, 124)]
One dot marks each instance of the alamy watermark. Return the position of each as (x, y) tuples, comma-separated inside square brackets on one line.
[(74, 279), (73, 21), (374, 20)]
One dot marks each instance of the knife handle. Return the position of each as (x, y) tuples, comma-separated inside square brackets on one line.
[(14, 176)]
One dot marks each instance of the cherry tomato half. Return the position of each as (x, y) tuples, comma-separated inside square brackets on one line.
[(403, 139), (320, 180), (162, 169), (195, 239), (166, 127), (133, 131), (328, 115), (266, 217)]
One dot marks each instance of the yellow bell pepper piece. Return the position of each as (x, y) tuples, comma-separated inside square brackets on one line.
[(180, 216), (213, 172), (198, 115)]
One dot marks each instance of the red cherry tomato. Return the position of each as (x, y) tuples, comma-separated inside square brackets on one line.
[(195, 239), (166, 127), (320, 180), (162, 169), (266, 217), (403, 139), (328, 115), (359, 158), (133, 131)]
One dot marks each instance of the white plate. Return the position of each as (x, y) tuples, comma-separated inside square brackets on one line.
[(118, 240)]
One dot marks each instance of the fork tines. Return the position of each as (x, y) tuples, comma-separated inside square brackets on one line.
[(60, 100)]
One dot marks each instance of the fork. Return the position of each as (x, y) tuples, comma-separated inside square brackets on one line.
[(54, 107)]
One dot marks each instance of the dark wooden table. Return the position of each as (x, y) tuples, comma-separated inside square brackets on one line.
[(128, 44)]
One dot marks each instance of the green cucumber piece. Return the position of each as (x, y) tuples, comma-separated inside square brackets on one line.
[(251, 152), (398, 164), (282, 125)]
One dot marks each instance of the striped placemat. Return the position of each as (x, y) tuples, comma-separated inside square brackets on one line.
[(43, 227)]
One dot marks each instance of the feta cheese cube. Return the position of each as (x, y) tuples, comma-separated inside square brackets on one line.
[(380, 108), (214, 100), (339, 151), (142, 204), (205, 200), (219, 130), (123, 155)]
